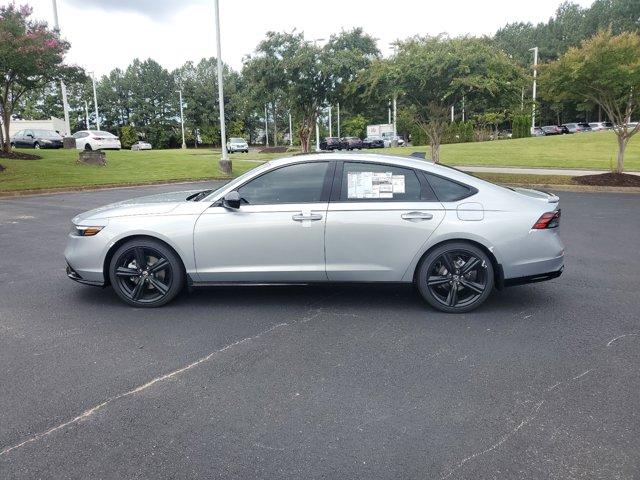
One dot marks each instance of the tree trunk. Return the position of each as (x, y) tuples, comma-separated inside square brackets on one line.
[(275, 128), (622, 144), (435, 152), (304, 133), (7, 140)]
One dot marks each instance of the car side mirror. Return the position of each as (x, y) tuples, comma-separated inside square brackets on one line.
[(232, 200)]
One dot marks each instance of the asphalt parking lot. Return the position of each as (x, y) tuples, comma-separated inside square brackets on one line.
[(543, 381)]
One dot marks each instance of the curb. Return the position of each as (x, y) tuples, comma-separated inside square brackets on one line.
[(114, 186)]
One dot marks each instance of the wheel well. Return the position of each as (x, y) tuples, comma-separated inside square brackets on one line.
[(498, 273), (112, 250)]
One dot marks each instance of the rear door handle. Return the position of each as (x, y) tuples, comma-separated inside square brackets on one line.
[(416, 216), (300, 217)]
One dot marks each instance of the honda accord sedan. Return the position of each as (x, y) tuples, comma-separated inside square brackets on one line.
[(325, 218)]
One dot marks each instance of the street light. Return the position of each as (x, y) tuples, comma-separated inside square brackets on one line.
[(225, 163), (95, 100), (184, 145), (86, 115), (535, 74), (63, 88)]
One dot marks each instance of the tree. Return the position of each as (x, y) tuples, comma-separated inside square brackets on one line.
[(31, 56), (605, 71)]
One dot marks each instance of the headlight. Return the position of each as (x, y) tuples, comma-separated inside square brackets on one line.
[(84, 231)]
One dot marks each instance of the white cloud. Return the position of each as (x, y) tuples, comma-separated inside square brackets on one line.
[(110, 33)]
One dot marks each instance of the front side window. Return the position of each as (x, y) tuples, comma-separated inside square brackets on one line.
[(301, 183), (371, 181)]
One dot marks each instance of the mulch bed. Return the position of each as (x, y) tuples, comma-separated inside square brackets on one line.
[(274, 150), (19, 156), (609, 180)]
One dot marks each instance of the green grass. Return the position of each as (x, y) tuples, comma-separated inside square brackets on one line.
[(58, 168), (594, 150)]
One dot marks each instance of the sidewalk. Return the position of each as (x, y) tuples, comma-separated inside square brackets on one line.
[(535, 171)]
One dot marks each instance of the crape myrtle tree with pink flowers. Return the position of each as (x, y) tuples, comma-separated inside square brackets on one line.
[(31, 56)]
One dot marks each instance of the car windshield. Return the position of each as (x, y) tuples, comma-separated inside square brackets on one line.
[(46, 134), (236, 140)]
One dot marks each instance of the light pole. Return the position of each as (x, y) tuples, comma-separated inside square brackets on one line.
[(389, 111), (290, 131), (317, 136), (535, 74), (86, 114), (63, 88), (184, 145), (225, 163), (95, 100), (330, 124), (266, 127), (338, 119)]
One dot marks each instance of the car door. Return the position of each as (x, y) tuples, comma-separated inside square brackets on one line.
[(379, 218), (277, 234)]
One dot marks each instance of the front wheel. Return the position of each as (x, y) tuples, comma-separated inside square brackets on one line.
[(36, 146), (455, 277), (146, 273)]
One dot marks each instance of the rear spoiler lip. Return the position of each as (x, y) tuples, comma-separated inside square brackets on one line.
[(550, 197)]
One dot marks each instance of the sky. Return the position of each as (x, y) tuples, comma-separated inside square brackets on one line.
[(106, 34)]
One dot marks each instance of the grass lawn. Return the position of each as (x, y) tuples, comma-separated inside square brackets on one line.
[(58, 168), (593, 150)]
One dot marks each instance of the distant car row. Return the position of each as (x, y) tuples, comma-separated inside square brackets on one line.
[(576, 127), (355, 143), (85, 140)]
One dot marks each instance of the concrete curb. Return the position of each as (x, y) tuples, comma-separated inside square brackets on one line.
[(61, 190)]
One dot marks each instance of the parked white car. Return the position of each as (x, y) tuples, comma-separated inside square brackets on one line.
[(236, 144), (96, 140), (389, 138), (140, 145), (598, 126)]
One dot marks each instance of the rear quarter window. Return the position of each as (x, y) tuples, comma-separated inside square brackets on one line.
[(449, 190)]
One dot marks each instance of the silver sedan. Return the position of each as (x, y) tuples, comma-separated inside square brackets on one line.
[(325, 218)]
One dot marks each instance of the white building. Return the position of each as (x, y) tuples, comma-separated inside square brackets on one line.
[(55, 124)]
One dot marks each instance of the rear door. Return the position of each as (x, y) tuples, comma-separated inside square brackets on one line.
[(379, 218)]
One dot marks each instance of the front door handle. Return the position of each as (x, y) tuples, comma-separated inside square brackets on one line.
[(300, 217), (416, 216)]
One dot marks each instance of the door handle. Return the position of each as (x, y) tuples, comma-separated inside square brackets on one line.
[(416, 216), (300, 217)]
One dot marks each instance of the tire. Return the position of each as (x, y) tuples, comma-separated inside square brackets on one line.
[(162, 274), (36, 145), (87, 147), (452, 290), (13, 145)]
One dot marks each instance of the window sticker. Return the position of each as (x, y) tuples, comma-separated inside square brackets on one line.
[(374, 184)]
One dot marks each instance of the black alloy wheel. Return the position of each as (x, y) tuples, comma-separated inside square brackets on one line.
[(146, 273), (456, 277)]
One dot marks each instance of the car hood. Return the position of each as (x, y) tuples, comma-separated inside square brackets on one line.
[(150, 205)]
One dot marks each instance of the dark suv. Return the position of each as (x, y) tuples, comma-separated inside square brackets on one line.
[(330, 143), (36, 139), (350, 143)]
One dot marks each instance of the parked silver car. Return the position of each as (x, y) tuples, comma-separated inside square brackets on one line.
[(325, 218)]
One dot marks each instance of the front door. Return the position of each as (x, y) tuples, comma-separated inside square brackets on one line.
[(378, 220), (277, 234)]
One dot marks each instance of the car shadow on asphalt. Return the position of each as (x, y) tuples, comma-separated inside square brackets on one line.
[(383, 297)]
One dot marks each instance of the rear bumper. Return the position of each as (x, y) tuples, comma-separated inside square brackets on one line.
[(75, 276), (512, 282)]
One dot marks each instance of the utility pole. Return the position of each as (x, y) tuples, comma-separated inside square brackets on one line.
[(395, 117), (535, 75), (225, 163), (389, 112), (63, 88), (86, 115), (184, 145), (463, 111), (330, 125), (266, 127), (317, 136), (95, 100), (338, 119), (452, 114)]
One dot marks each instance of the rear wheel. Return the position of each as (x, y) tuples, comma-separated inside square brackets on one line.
[(36, 146), (455, 277), (146, 273), (87, 147)]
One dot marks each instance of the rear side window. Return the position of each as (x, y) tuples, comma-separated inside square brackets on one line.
[(447, 190), (371, 181)]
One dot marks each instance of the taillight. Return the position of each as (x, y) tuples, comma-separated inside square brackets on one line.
[(547, 220)]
